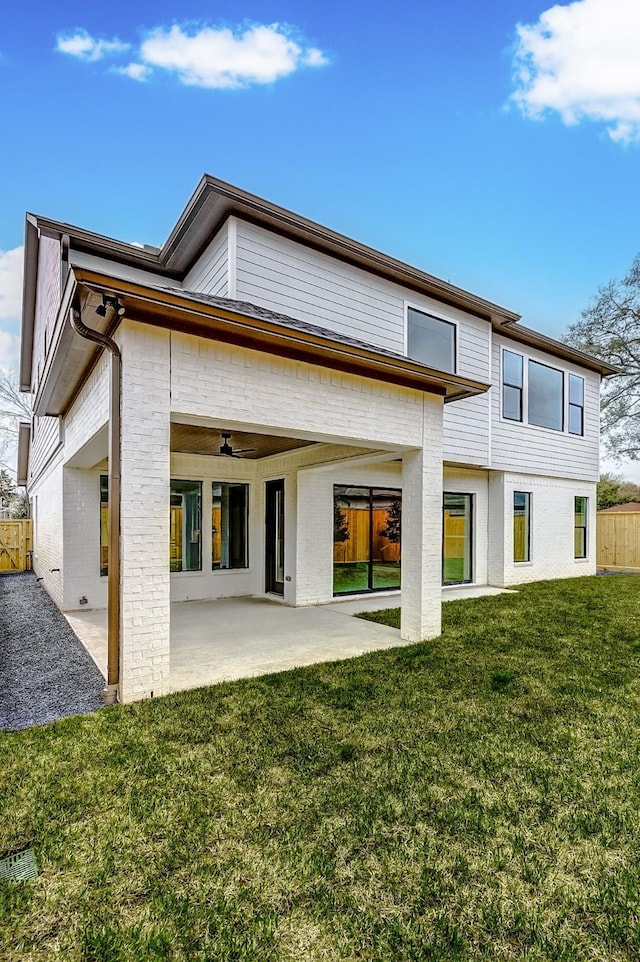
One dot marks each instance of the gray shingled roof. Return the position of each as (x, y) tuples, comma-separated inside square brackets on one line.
[(264, 314)]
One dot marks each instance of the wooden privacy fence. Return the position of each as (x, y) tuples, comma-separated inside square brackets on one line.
[(356, 547), (618, 539), (15, 545)]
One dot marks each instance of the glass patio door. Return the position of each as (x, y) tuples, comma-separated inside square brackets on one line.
[(274, 537), (457, 528), (366, 539)]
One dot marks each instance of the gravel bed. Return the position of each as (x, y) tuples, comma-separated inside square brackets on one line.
[(45, 672)]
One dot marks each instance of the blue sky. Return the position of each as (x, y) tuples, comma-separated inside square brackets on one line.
[(495, 144)]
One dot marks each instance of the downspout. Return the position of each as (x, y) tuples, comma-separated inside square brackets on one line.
[(111, 691)]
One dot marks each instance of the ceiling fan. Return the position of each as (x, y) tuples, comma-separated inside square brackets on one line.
[(227, 450)]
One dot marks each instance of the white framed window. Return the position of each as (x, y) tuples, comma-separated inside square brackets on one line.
[(540, 395), (581, 513), (545, 396), (521, 526), (431, 340), (229, 525), (576, 404), (512, 386)]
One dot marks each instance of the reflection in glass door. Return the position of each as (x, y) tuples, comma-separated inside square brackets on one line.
[(457, 539), (366, 539)]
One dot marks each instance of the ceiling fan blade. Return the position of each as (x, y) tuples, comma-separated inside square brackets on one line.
[(243, 450)]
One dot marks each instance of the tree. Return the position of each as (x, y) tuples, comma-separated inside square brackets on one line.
[(613, 490), (14, 407), (394, 518), (340, 525), (12, 502), (610, 329)]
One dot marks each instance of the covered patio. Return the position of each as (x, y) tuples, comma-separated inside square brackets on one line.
[(231, 638)]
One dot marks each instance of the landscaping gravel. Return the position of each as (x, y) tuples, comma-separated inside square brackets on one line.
[(45, 672)]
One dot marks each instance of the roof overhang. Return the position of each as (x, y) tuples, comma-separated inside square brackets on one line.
[(211, 204), (71, 356), (525, 335)]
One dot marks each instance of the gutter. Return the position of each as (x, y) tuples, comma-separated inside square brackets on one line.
[(111, 691)]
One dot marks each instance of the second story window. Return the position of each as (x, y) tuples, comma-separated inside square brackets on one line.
[(576, 404), (512, 385), (546, 396), (431, 341)]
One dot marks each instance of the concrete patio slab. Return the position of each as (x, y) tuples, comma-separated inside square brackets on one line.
[(213, 641)]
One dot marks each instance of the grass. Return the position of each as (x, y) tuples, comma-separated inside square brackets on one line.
[(474, 797), (453, 570), (355, 575)]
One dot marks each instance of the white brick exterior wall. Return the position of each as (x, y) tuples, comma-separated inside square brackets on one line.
[(552, 530), (422, 528), (48, 548), (145, 611), (81, 519)]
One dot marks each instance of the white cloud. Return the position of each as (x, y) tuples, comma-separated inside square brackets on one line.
[(205, 56), (135, 71), (582, 60), (82, 45), (11, 282), (9, 343)]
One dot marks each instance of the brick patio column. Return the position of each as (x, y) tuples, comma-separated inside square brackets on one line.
[(145, 470), (422, 531)]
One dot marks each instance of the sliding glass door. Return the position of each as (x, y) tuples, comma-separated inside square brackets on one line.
[(457, 530), (366, 539)]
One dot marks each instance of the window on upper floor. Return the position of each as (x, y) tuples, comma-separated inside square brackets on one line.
[(546, 396), (576, 404), (512, 385), (431, 341), (541, 395)]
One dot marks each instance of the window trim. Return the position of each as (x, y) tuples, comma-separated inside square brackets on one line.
[(529, 495), (421, 309), (581, 527)]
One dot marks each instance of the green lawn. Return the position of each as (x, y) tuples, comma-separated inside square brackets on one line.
[(355, 576), (474, 797)]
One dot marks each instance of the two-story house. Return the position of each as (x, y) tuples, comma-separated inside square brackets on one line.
[(266, 407)]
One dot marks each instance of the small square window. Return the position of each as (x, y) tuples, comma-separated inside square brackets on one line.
[(431, 341)]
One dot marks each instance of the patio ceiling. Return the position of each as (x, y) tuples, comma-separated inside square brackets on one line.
[(193, 439)]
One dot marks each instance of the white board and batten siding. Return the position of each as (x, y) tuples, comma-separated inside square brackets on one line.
[(530, 449)]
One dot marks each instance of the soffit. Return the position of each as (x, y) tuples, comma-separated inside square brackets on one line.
[(192, 439)]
